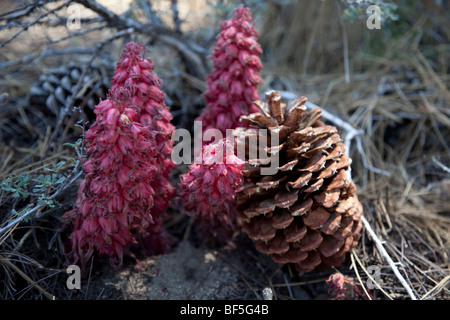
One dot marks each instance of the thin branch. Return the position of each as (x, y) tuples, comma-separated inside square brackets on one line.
[(50, 52), (121, 22), (385, 254), (52, 22), (20, 12), (184, 46), (149, 13), (194, 59), (364, 159), (369, 276), (436, 289), (175, 16), (359, 278), (31, 23), (440, 165), (76, 34)]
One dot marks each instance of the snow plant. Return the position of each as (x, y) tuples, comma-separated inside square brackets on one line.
[(127, 163)]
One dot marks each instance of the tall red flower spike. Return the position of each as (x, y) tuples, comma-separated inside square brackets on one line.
[(232, 86), (207, 191), (125, 188), (135, 72)]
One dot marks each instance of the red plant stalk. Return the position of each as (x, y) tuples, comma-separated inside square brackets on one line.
[(207, 191), (232, 86), (125, 188)]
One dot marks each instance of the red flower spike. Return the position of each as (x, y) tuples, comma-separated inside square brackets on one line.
[(207, 191), (135, 72), (233, 84), (126, 189)]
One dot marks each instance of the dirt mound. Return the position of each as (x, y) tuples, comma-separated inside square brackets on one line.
[(185, 273)]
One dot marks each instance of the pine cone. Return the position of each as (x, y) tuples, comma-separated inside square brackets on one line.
[(55, 88), (308, 213)]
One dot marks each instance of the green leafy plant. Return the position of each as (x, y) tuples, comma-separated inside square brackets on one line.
[(33, 194), (357, 9), (16, 185), (47, 182)]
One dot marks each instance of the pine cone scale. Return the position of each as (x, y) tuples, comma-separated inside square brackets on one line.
[(330, 246), (300, 208), (295, 232), (316, 219)]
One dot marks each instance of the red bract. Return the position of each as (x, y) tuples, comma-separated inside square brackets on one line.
[(342, 288), (127, 163), (207, 191), (232, 86)]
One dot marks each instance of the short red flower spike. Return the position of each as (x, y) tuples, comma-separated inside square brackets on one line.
[(127, 163), (207, 191), (232, 86), (342, 288)]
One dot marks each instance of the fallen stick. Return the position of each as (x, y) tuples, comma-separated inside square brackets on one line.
[(440, 165)]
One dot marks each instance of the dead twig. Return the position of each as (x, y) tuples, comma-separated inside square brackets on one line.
[(149, 13), (440, 165), (183, 45), (31, 23), (441, 285), (175, 16), (45, 53), (353, 254), (357, 275)]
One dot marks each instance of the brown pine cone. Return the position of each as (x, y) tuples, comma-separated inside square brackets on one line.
[(308, 213)]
